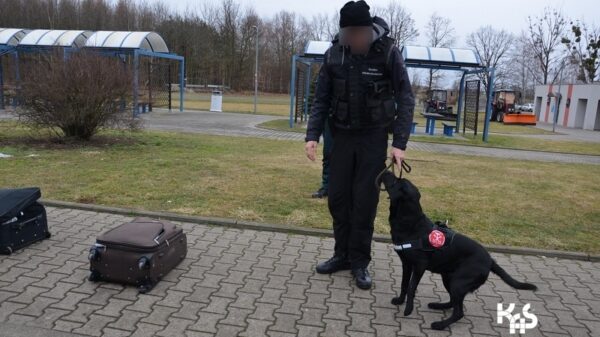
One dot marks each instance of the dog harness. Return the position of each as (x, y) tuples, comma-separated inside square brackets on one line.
[(440, 237)]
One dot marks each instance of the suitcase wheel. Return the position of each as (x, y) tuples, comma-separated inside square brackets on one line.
[(94, 255), (7, 250), (48, 235), (143, 263), (146, 287), (94, 276)]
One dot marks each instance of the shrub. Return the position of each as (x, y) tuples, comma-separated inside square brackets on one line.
[(76, 96)]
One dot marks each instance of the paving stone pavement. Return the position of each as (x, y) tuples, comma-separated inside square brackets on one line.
[(258, 283)]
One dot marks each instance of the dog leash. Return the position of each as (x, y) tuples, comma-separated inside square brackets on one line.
[(403, 167)]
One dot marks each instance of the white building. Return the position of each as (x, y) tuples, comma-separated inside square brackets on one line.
[(579, 105)]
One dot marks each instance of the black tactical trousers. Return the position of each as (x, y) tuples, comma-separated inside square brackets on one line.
[(356, 159)]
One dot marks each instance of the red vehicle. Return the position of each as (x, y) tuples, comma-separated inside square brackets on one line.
[(504, 109), (503, 104), (437, 101)]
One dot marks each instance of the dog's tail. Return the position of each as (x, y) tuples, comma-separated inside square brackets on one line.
[(496, 269)]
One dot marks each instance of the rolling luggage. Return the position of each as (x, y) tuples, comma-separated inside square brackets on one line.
[(140, 252), (22, 219)]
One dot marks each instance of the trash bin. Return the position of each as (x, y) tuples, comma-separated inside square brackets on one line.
[(216, 101)]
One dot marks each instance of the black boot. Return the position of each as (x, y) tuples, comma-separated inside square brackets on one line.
[(334, 264), (363, 279), (320, 194)]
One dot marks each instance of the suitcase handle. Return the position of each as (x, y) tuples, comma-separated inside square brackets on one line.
[(162, 231), (20, 225)]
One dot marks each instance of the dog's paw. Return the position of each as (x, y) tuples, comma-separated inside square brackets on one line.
[(397, 300), (408, 309), (438, 325)]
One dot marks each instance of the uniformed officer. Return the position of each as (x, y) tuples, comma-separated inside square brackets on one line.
[(364, 92)]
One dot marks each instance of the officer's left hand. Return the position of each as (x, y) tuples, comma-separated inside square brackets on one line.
[(398, 157)]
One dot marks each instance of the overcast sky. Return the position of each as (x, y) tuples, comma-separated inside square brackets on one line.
[(466, 15)]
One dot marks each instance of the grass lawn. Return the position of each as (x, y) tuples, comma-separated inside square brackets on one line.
[(267, 104), (521, 203), (495, 140)]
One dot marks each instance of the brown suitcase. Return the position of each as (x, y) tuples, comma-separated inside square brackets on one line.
[(140, 252)]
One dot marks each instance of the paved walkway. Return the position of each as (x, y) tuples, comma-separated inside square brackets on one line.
[(567, 133), (255, 283), (245, 125), (233, 124)]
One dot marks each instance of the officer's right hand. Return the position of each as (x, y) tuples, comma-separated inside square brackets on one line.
[(311, 149)]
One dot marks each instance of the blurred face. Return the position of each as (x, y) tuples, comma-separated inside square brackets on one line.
[(359, 38)]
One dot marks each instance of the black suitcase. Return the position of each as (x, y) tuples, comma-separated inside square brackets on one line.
[(22, 219), (140, 252)]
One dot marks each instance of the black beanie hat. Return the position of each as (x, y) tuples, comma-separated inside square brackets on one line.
[(355, 13)]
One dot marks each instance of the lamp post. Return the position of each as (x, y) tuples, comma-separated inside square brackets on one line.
[(256, 71), (558, 96)]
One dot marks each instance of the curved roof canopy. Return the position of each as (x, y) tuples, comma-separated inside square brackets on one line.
[(127, 40), (316, 48), (11, 36), (57, 38), (443, 57)]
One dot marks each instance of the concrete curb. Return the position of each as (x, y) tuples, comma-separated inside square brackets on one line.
[(240, 224)]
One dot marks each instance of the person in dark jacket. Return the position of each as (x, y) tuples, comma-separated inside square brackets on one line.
[(327, 144), (364, 92)]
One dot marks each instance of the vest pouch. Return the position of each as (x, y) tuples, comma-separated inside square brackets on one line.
[(340, 112), (389, 109), (381, 111), (375, 110), (339, 87)]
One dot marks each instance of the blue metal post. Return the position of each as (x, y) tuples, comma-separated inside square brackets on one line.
[(488, 109), (17, 79), (307, 89), (460, 100), (292, 91), (1, 85), (136, 65), (181, 83)]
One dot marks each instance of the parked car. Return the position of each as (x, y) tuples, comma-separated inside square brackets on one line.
[(527, 107)]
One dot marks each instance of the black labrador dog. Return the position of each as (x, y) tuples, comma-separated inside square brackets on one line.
[(423, 245)]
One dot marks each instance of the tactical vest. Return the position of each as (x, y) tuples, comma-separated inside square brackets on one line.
[(362, 94)]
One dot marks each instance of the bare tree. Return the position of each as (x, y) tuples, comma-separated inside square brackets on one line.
[(402, 25), (440, 33), (492, 46), (544, 37), (583, 47), (215, 37), (526, 73), (246, 48)]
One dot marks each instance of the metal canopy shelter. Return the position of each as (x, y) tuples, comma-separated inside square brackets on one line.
[(313, 54), (137, 44), (113, 43), (55, 38), (9, 39), (462, 60)]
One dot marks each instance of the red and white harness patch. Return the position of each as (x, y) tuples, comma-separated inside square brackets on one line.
[(437, 238)]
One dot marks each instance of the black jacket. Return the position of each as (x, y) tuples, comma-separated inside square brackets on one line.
[(405, 101)]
